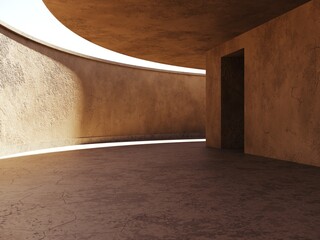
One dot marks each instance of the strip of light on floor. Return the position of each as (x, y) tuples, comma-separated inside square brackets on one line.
[(97, 145)]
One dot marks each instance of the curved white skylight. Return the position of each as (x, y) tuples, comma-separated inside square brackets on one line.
[(32, 18)]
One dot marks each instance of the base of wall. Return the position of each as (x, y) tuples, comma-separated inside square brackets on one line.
[(8, 150)]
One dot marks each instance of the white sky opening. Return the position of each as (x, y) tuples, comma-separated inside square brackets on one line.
[(32, 19), (97, 145)]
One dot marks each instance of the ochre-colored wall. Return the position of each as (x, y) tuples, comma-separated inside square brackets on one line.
[(282, 87), (52, 98)]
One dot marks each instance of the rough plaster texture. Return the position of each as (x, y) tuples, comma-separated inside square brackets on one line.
[(177, 32), (51, 98), (157, 192), (282, 87)]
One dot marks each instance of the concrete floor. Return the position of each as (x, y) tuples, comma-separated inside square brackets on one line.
[(171, 191)]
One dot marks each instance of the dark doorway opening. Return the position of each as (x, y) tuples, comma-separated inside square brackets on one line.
[(232, 101)]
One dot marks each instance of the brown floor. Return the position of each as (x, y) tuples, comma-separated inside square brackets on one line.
[(171, 191)]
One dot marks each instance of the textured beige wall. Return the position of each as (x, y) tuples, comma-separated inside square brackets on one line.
[(282, 87), (51, 98)]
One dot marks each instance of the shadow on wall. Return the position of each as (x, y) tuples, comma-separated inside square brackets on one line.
[(51, 98)]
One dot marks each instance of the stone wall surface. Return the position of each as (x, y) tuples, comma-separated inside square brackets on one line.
[(51, 98), (282, 87)]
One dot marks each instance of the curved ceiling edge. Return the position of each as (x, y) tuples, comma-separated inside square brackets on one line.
[(66, 36)]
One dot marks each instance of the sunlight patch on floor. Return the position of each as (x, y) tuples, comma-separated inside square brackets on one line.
[(98, 145)]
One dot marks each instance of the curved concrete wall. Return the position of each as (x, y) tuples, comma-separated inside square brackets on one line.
[(51, 98)]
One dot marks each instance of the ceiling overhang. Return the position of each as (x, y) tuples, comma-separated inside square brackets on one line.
[(176, 32)]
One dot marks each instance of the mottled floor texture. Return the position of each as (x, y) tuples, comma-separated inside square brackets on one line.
[(167, 191)]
